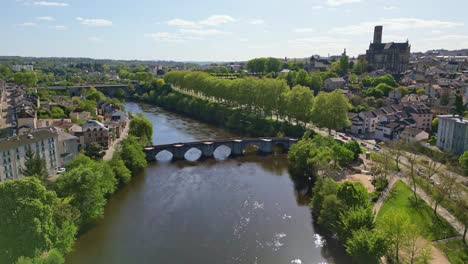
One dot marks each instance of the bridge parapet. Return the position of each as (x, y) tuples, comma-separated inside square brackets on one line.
[(207, 148)]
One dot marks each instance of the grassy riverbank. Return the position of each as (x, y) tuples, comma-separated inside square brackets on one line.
[(400, 201)]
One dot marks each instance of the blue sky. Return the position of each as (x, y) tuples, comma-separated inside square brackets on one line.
[(219, 30)]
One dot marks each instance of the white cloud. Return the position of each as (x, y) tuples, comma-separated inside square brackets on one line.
[(390, 7), (256, 21), (304, 30), (27, 24), (94, 39), (60, 27), (203, 32), (395, 24), (166, 37), (335, 3), (45, 3), (45, 18), (96, 22), (181, 23), (317, 7), (185, 34), (243, 39), (214, 20)]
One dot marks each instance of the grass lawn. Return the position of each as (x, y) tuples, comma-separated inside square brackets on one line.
[(456, 251), (432, 227)]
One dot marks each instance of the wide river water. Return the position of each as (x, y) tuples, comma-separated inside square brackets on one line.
[(241, 210)]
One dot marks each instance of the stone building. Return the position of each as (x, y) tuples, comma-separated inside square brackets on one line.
[(392, 57)]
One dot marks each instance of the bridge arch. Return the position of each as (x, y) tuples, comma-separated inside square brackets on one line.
[(251, 147), (222, 152), (164, 156), (279, 147), (193, 154)]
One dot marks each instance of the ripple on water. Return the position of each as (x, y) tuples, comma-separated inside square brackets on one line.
[(319, 241)]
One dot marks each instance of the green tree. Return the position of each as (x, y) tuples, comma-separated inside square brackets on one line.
[(25, 78), (85, 187), (52, 257), (395, 227), (330, 110), (141, 128), (353, 195), (322, 188), (354, 147), (341, 155), (57, 112), (463, 161), (26, 213), (366, 246), (34, 165), (122, 173), (344, 65), (459, 108), (354, 219), (330, 212), (299, 103), (94, 151), (132, 154), (420, 91), (302, 78), (94, 95), (435, 125), (273, 65)]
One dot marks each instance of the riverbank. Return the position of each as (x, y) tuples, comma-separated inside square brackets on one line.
[(233, 119)]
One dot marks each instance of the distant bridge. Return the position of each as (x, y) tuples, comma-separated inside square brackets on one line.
[(207, 148)]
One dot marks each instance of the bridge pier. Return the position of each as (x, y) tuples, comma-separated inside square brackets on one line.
[(207, 150), (266, 145), (178, 152), (237, 147)]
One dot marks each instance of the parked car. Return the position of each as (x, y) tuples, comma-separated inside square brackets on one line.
[(363, 144), (61, 170), (376, 148)]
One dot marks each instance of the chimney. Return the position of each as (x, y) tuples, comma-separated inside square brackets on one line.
[(378, 34)]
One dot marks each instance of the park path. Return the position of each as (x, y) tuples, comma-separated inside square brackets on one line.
[(385, 193), (441, 211), (110, 152)]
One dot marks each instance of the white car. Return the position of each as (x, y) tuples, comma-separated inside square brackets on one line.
[(61, 170)]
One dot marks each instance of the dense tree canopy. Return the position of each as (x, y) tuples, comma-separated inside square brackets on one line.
[(85, 186), (331, 111), (32, 220), (141, 128), (133, 155), (28, 78), (264, 65)]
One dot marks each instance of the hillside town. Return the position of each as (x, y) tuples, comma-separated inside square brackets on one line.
[(39, 123)]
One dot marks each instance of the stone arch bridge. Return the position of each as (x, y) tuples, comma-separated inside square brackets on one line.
[(207, 148)]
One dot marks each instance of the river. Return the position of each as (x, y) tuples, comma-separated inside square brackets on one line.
[(242, 210)]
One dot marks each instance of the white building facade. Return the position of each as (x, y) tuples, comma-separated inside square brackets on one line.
[(13, 153)]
